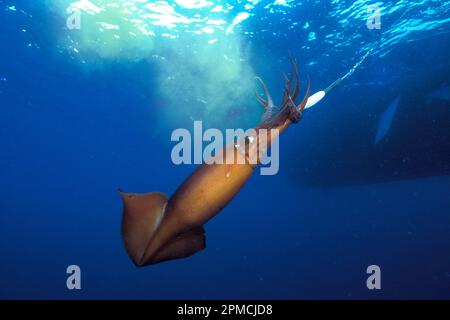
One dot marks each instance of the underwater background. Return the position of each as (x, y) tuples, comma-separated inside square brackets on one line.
[(364, 178)]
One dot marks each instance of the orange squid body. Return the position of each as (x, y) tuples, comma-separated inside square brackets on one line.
[(172, 227), (157, 229)]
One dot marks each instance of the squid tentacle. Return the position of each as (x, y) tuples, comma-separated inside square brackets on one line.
[(288, 110)]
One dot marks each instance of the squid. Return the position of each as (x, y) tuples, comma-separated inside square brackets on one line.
[(156, 228)]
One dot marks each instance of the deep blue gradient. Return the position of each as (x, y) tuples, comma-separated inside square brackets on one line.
[(70, 137)]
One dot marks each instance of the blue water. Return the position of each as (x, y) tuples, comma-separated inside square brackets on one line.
[(89, 110)]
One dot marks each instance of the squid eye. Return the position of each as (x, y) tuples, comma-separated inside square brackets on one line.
[(249, 140)]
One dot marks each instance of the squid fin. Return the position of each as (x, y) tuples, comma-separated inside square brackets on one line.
[(181, 246), (141, 218)]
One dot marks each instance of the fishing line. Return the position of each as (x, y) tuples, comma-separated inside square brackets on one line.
[(318, 96)]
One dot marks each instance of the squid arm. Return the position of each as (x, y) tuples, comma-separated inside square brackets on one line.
[(156, 228)]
